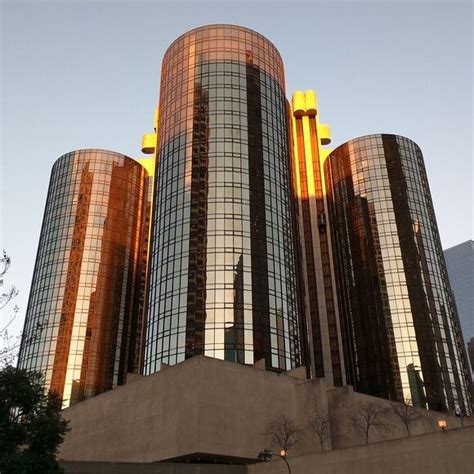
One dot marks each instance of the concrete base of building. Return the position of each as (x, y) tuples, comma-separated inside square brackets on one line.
[(82, 467), (448, 452), (212, 411)]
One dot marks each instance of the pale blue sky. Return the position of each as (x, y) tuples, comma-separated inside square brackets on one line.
[(86, 74)]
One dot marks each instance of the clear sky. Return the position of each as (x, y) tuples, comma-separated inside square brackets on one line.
[(86, 75)]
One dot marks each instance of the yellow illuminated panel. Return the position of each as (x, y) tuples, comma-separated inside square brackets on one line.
[(309, 157), (311, 103), (308, 154), (324, 133), (299, 104), (304, 107), (149, 143), (296, 158), (148, 164)]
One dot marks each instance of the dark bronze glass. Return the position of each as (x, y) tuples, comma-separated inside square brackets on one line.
[(222, 272), (82, 321), (400, 327)]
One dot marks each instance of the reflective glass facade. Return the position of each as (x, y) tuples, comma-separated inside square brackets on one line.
[(460, 264), (85, 296), (400, 327), (223, 277)]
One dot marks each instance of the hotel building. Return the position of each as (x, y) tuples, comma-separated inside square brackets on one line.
[(254, 244)]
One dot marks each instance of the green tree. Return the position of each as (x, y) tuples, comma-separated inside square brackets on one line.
[(9, 345), (31, 427)]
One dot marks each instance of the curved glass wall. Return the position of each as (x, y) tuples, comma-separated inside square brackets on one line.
[(400, 326), (82, 316), (222, 275)]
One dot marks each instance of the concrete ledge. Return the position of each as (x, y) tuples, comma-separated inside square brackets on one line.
[(222, 410), (448, 452), (78, 467)]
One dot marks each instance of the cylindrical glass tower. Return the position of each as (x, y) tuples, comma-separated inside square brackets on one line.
[(81, 327), (223, 272), (400, 326)]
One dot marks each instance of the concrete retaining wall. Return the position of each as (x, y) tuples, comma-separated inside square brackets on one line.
[(449, 452), (222, 410)]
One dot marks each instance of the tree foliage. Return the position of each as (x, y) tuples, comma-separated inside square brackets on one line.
[(6, 297), (10, 344), (31, 427), (283, 433), (369, 417), (319, 425), (407, 413), (461, 410)]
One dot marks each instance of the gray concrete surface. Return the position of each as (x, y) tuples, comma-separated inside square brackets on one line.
[(449, 452), (72, 467), (209, 406)]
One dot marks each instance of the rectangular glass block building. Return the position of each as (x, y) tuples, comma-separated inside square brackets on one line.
[(460, 264)]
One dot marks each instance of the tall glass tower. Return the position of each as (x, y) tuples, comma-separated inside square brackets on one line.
[(83, 321), (223, 267), (400, 327)]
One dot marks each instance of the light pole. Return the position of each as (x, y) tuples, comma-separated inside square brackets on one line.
[(266, 455)]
